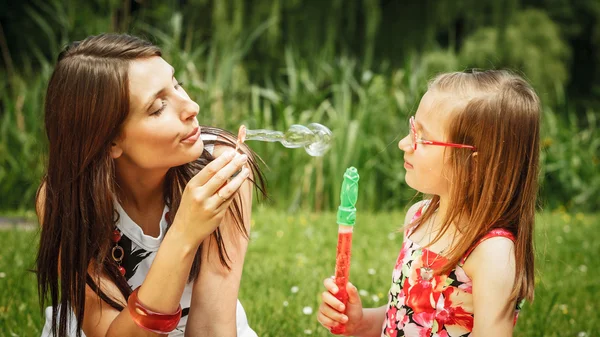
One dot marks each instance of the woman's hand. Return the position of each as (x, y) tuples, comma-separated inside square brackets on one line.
[(333, 313), (207, 196)]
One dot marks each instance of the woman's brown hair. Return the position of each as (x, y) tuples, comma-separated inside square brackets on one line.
[(87, 102), (496, 187)]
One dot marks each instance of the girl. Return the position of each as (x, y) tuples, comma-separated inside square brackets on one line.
[(467, 258), (138, 196)]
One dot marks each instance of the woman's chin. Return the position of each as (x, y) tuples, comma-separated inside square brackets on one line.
[(194, 152)]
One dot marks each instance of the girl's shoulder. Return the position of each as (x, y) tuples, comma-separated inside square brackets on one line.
[(496, 240), (413, 213), (493, 255)]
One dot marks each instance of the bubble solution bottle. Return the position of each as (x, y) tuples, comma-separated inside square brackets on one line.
[(346, 217)]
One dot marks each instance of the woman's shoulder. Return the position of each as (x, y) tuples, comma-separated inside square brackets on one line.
[(40, 200)]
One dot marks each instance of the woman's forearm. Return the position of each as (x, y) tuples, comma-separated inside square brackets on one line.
[(163, 287), (215, 292), (166, 279)]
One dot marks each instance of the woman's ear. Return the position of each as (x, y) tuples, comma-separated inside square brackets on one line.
[(115, 150)]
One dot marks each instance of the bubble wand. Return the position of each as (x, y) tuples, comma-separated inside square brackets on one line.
[(315, 138), (346, 217)]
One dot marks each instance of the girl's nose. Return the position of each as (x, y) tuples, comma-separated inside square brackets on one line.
[(405, 144)]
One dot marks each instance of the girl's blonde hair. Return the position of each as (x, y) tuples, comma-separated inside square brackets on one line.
[(498, 112)]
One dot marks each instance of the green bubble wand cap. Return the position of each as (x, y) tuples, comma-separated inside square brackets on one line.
[(349, 194)]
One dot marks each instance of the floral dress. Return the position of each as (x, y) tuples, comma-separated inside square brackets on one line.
[(441, 306)]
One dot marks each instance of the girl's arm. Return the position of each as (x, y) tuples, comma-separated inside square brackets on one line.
[(372, 322), (491, 267), (215, 291)]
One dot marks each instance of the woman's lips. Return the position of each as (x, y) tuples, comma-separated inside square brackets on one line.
[(192, 137), (407, 165)]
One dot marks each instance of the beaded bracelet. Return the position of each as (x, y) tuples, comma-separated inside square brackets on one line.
[(151, 320)]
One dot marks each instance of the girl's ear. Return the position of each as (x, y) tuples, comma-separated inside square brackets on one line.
[(474, 155), (115, 150)]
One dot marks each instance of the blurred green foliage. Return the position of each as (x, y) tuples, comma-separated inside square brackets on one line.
[(358, 67)]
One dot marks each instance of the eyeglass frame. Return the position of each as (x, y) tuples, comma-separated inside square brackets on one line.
[(415, 140)]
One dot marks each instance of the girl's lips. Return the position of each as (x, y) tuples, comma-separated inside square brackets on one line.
[(192, 137), (407, 165)]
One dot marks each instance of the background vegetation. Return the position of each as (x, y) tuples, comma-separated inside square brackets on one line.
[(358, 67), (289, 256)]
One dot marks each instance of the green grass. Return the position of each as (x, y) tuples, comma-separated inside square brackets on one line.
[(289, 251)]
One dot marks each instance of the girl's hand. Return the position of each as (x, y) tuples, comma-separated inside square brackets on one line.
[(332, 312), (208, 195)]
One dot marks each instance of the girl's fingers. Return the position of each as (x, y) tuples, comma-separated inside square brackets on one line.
[(332, 314), (330, 285), (353, 296), (326, 321), (211, 169), (332, 301)]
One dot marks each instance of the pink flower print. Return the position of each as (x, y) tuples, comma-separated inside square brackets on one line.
[(419, 297), (401, 256), (422, 327), (449, 314), (396, 274), (391, 318), (401, 318), (442, 333), (461, 276), (389, 332)]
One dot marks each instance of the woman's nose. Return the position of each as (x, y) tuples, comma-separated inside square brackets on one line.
[(190, 109), (405, 144)]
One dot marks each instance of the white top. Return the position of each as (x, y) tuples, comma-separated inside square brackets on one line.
[(140, 251)]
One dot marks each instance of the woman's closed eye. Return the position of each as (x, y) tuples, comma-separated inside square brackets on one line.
[(160, 110), (178, 85)]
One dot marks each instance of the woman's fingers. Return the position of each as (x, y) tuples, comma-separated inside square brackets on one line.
[(223, 176), (211, 169), (227, 191)]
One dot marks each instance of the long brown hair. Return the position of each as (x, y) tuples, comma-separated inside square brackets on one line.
[(87, 102), (499, 113)]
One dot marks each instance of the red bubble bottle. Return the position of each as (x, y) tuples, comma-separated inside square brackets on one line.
[(346, 217)]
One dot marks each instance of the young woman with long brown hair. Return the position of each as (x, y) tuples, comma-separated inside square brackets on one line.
[(466, 262), (144, 220)]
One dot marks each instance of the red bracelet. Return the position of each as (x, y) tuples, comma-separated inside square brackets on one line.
[(151, 320)]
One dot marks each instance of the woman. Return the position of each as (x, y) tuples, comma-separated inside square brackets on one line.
[(138, 196)]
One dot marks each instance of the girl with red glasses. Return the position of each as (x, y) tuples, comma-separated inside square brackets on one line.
[(466, 263)]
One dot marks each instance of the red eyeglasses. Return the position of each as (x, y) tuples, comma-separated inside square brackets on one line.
[(415, 140)]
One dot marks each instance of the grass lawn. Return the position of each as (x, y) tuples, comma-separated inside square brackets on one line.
[(289, 255)]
